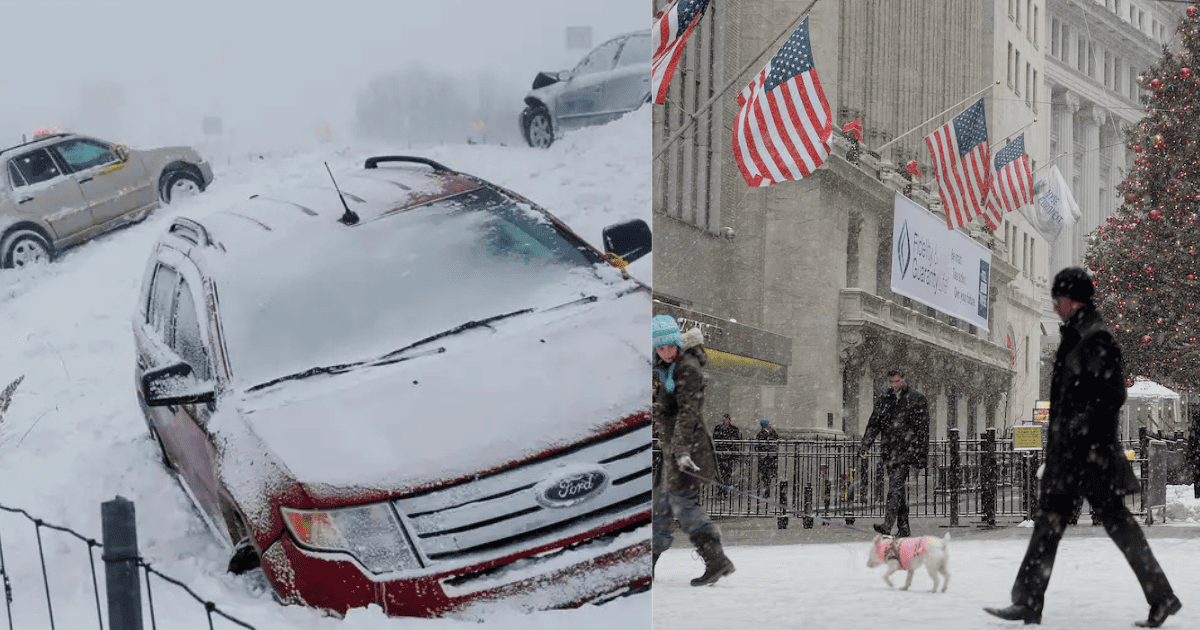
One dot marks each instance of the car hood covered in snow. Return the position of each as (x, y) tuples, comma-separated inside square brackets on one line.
[(496, 395)]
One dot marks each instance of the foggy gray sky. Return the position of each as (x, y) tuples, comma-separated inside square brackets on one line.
[(274, 70)]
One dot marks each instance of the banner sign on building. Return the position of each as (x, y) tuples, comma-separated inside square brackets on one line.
[(943, 269)]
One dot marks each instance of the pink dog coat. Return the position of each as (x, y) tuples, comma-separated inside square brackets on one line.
[(902, 549)]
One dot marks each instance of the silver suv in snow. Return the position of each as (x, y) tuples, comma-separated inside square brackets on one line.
[(612, 80), (62, 189)]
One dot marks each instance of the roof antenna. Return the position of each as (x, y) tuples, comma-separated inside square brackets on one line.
[(349, 218)]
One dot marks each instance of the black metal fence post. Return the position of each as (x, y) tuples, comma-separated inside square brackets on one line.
[(1032, 487), (781, 522), (119, 527), (988, 496), (955, 475), (808, 506)]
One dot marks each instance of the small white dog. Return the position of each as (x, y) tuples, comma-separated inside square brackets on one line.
[(910, 554)]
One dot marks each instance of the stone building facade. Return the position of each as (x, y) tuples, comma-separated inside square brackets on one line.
[(804, 266), (1096, 51)]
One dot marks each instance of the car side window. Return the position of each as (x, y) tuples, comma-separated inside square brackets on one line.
[(36, 166), (599, 60), (162, 301), (14, 176), (81, 154), (189, 344), (636, 50)]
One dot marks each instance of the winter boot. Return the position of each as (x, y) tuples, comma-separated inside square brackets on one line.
[(716, 564), (654, 563)]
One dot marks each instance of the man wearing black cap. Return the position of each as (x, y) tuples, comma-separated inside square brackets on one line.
[(1083, 457)]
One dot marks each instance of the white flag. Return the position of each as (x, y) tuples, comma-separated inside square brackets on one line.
[(1053, 206)]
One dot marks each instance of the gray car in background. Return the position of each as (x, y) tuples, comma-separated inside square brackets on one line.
[(62, 189), (610, 81)]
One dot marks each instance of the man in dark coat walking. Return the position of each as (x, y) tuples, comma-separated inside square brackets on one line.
[(1084, 458), (768, 461), (901, 420), (726, 458), (686, 446)]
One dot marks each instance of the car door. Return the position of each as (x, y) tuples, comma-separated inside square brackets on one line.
[(174, 316), (114, 187), (629, 82), (41, 189), (580, 101)]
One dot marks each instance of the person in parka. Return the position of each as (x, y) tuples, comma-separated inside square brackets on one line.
[(686, 445), (901, 420), (1083, 457)]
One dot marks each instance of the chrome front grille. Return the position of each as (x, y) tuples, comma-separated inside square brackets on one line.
[(501, 513)]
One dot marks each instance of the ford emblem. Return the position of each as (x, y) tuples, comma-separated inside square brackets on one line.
[(570, 486)]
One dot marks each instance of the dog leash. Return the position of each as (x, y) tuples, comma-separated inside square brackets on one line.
[(827, 521)]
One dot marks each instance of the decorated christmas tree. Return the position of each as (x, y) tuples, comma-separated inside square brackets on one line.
[(1145, 257)]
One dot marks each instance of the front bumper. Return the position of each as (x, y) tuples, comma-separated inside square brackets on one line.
[(554, 576)]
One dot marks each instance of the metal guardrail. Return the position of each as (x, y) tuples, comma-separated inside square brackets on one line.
[(121, 563), (981, 478)]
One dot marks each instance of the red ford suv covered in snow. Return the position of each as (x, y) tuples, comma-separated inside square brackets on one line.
[(413, 389)]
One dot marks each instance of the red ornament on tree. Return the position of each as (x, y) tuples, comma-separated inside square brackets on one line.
[(1185, 71), (1191, 11), (1154, 84), (1146, 339)]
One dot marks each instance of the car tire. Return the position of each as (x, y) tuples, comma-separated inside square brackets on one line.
[(178, 184), (24, 247), (539, 132)]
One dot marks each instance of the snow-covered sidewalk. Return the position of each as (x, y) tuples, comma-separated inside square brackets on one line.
[(828, 585)]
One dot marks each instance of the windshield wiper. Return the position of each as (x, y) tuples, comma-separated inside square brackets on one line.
[(392, 357), (454, 331), (328, 369)]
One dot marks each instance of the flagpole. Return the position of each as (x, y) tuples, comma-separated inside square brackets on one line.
[(948, 110), (1005, 138), (736, 79)]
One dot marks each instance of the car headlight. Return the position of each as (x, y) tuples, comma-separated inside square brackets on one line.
[(371, 533)]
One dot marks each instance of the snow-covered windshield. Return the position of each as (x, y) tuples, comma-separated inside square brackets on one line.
[(355, 293)]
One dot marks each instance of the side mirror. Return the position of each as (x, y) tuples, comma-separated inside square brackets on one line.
[(122, 152), (175, 385), (627, 241)]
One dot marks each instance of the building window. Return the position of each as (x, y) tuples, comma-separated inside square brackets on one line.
[(1035, 26), (1018, 20), (1010, 8), (1017, 73), (1033, 256), (1026, 354), (1054, 37), (1065, 39), (1028, 17), (1035, 84), (1028, 90), (1025, 254), (1107, 70), (1010, 64)]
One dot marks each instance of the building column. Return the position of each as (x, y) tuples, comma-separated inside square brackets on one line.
[(1063, 108), (1119, 168), (1089, 202)]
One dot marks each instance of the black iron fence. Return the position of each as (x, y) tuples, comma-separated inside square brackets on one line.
[(124, 570), (981, 478)]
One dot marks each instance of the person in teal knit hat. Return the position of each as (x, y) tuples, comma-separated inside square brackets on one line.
[(687, 447)]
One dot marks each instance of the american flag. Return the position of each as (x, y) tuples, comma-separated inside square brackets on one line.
[(962, 161), (669, 37), (1012, 182), (784, 126)]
